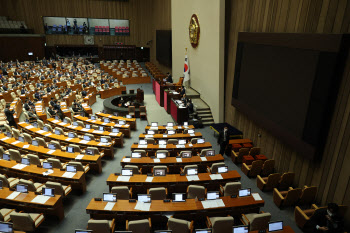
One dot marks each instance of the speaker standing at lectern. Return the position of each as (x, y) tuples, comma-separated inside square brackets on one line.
[(223, 139)]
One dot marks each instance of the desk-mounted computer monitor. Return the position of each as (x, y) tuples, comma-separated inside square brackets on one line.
[(275, 226), (48, 192), (110, 197), (213, 195), (244, 192), (144, 198), (154, 124), (161, 155), (159, 171), (126, 172), (47, 165), (71, 168), (240, 229), (22, 188), (115, 130), (135, 155), (223, 169), (87, 126), (6, 227), (192, 171), (186, 154)]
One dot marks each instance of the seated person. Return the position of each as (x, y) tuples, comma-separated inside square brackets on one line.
[(190, 107), (184, 99), (327, 220)]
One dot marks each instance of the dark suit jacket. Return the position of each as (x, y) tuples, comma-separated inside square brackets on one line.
[(169, 79), (221, 137), (9, 115), (319, 218)]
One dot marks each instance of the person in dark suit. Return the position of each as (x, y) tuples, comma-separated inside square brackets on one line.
[(83, 93), (182, 91), (52, 112), (184, 99), (52, 102), (190, 107), (169, 79), (4, 88), (327, 220), (223, 140), (9, 116)]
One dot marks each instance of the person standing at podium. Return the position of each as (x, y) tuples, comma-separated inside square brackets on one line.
[(224, 137)]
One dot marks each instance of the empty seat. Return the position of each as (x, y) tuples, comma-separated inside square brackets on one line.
[(60, 130), (27, 138), (268, 183), (256, 222), (56, 144), (26, 222), (158, 193), (268, 167), (41, 142), (135, 169), (40, 124), (230, 189), (142, 152), (286, 181), (307, 195), (76, 148), (254, 151), (131, 110), (143, 112), (196, 191), (79, 166), (150, 141), (56, 163), (60, 189), (16, 133), (68, 120), (179, 225), (286, 198), (220, 224), (15, 155), (214, 167), (101, 226), (32, 187), (34, 159), (123, 192), (184, 170), (5, 214), (173, 141), (8, 182), (139, 226), (238, 156), (252, 170)]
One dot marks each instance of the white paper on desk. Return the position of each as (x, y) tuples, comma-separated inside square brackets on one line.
[(256, 197), (216, 177), (14, 143), (142, 146), (13, 195), (213, 203), (29, 127), (149, 136), (204, 158), (93, 121), (73, 126), (68, 139), (192, 178), (192, 134), (126, 160), (62, 123), (48, 172), (127, 125), (123, 178), (179, 127), (79, 157), (179, 160), (49, 134), (165, 135), (186, 127), (19, 166), (41, 199), (113, 134), (156, 160), (142, 206), (153, 128), (98, 131), (68, 174), (149, 179), (55, 121), (84, 141), (41, 131), (109, 206), (180, 146), (103, 144), (84, 129), (50, 151), (162, 146), (118, 125), (25, 146), (190, 145), (104, 123), (5, 138)]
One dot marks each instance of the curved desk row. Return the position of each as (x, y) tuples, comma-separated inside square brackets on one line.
[(130, 121), (173, 136)]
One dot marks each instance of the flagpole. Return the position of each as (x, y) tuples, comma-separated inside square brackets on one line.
[(186, 83)]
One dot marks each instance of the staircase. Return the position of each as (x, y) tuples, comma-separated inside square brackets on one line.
[(200, 106)]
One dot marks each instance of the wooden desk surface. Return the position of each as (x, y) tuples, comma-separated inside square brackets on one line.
[(123, 128), (118, 137), (131, 121), (286, 229), (190, 205), (112, 92), (37, 172), (240, 141), (53, 206), (173, 147), (32, 130), (173, 136), (40, 111), (93, 160)]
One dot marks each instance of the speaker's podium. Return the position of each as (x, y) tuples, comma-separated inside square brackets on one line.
[(178, 112)]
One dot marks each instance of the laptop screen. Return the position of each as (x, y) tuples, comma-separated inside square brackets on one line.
[(35, 124), (47, 165), (25, 161), (178, 197), (128, 116), (111, 197), (57, 118), (48, 192), (6, 227), (71, 135), (70, 149), (22, 188), (192, 171), (106, 120), (276, 226), (135, 155), (171, 132), (93, 117), (223, 169), (162, 142), (126, 172), (87, 138), (75, 123), (159, 171), (52, 146), (83, 231), (161, 155), (200, 141), (35, 143), (6, 157), (57, 132), (240, 229), (154, 124), (101, 128), (89, 152), (65, 121), (9, 134), (104, 140), (71, 168), (46, 128), (21, 138), (115, 130), (186, 154), (121, 122), (150, 132), (203, 231), (88, 126), (244, 192), (210, 152), (144, 197), (170, 124), (182, 141), (163, 231), (213, 195)]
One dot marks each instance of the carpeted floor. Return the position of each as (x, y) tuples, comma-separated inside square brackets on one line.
[(76, 203)]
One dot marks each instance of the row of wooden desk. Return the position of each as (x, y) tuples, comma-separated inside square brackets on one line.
[(130, 121), (104, 94), (173, 136)]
